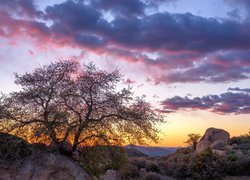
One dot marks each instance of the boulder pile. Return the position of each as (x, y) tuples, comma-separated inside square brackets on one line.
[(217, 140)]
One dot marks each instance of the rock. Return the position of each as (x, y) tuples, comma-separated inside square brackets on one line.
[(76, 155), (45, 166), (219, 152), (218, 145), (229, 148), (12, 147), (235, 146), (239, 152), (215, 138), (213, 134), (142, 170), (110, 175), (203, 146), (5, 173)]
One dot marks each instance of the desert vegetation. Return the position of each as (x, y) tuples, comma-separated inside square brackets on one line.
[(63, 102), (186, 163), (76, 111)]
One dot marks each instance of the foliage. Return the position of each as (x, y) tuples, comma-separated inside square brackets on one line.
[(242, 141), (153, 167), (139, 162), (153, 176), (207, 165), (193, 140), (129, 171), (187, 164), (12, 147), (97, 159), (238, 166), (64, 101)]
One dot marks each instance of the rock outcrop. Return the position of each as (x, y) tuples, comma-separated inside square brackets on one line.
[(203, 146), (214, 139), (21, 160), (12, 147), (42, 167)]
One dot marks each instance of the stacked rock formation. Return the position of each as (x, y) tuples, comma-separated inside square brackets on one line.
[(214, 139)]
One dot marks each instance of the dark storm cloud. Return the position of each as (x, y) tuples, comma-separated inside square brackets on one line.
[(226, 103)]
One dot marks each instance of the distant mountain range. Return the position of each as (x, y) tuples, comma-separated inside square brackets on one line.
[(141, 151)]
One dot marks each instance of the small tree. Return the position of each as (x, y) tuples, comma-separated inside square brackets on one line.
[(64, 101), (193, 140)]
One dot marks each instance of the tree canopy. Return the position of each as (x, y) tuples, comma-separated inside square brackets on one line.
[(193, 140), (64, 101)]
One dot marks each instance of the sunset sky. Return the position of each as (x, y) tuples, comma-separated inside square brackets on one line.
[(189, 58)]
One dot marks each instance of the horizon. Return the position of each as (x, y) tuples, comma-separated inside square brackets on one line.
[(189, 59)]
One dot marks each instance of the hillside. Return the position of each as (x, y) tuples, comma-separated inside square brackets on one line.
[(152, 151)]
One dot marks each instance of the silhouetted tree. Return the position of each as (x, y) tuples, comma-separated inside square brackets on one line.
[(193, 140), (64, 101)]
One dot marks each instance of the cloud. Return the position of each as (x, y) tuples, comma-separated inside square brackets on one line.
[(190, 48), (129, 81), (214, 68), (246, 90), (20, 7), (226, 103), (158, 31), (121, 7), (91, 41)]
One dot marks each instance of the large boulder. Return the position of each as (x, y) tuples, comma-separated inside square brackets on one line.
[(42, 167), (203, 146), (214, 139), (214, 134)]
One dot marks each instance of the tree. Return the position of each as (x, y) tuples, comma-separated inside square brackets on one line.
[(64, 101), (193, 140)]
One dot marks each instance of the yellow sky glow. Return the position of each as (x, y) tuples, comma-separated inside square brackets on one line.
[(180, 124)]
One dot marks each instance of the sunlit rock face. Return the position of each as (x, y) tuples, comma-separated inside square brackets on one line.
[(214, 139)]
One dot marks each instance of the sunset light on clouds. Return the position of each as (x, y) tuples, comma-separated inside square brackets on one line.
[(189, 58)]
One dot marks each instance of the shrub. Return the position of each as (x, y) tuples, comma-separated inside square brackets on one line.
[(243, 142), (139, 162), (232, 157), (129, 171), (98, 159), (13, 147), (153, 176), (152, 167), (207, 165), (238, 167)]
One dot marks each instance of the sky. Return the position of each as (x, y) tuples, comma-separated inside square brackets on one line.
[(189, 58)]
